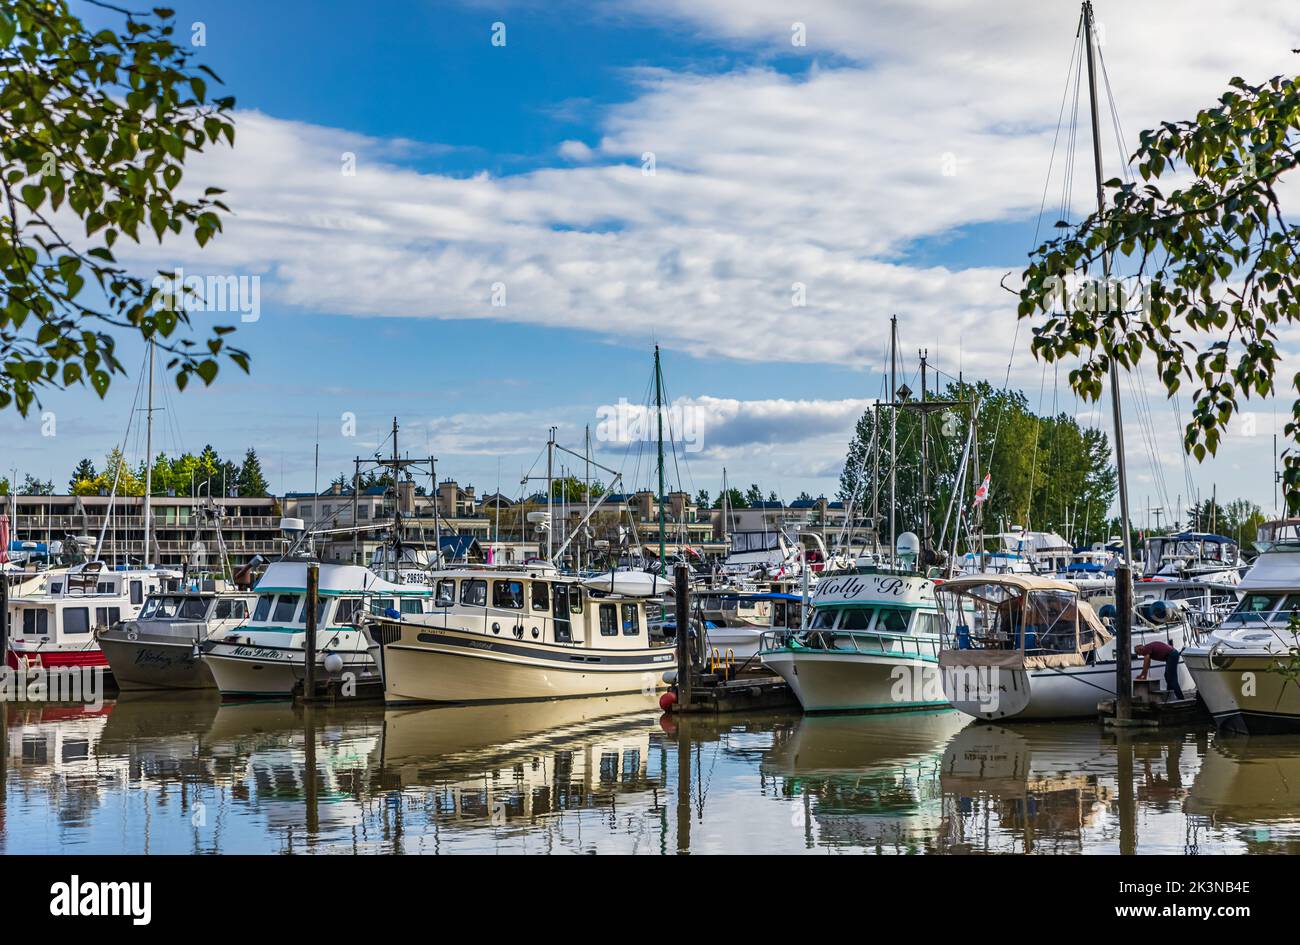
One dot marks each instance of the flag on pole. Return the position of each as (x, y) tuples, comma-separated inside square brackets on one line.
[(982, 493)]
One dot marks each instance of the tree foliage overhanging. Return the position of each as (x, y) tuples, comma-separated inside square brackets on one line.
[(96, 127)]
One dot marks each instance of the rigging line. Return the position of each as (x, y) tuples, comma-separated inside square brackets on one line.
[(1033, 463), (1065, 93)]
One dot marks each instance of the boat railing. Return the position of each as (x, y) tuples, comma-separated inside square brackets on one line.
[(861, 642)]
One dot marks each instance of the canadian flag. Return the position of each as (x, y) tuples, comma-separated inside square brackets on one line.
[(982, 493)]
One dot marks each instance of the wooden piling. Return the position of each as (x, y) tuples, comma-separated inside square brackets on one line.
[(684, 668), (313, 595)]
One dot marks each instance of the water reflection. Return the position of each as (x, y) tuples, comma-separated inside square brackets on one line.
[(184, 774)]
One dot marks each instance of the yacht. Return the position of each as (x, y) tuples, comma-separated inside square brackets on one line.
[(508, 633), (57, 627), (1026, 647), (265, 657), (1241, 669), (159, 648), (871, 645), (1192, 556)]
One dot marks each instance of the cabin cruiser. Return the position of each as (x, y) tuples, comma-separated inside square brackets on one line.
[(265, 657), (515, 633), (1192, 556), (159, 648), (871, 645), (735, 620), (57, 627), (1027, 647), (1207, 604), (1240, 668)]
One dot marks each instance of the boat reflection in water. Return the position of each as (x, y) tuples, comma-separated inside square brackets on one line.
[(180, 772), (864, 781), (1066, 788), (1249, 789)]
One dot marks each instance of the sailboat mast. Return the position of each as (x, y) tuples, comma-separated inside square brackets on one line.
[(925, 458), (148, 460), (659, 409), (893, 437), (1123, 574), (550, 472)]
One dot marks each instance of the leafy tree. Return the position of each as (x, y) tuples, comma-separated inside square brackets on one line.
[(1214, 262), (250, 480), (96, 127), (1044, 471), (85, 470), (702, 498), (4, 485), (754, 495), (34, 486), (734, 498)]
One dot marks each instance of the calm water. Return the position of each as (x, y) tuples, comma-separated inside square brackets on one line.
[(175, 774)]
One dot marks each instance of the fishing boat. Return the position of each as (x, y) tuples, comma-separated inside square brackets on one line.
[(871, 645), (159, 648), (265, 657), (58, 626), (518, 633), (1018, 646), (1240, 669)]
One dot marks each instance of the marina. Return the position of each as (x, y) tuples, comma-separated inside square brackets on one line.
[(647, 431)]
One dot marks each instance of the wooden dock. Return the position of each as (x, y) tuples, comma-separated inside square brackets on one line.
[(1152, 710), (750, 692)]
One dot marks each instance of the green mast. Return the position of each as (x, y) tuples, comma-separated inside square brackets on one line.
[(659, 409)]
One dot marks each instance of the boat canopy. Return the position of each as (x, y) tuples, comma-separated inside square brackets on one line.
[(1017, 619)]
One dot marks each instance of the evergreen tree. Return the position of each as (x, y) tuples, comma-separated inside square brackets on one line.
[(85, 470)]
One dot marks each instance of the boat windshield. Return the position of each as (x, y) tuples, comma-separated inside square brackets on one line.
[(174, 608)]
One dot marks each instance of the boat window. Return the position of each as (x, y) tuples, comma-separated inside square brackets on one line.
[(1259, 604), (380, 606), (321, 605), (542, 596), (285, 606), (36, 621), (893, 620), (347, 610), (107, 616), (608, 620), (508, 594), (631, 620), (412, 605), (1051, 622), (231, 609), (794, 615), (137, 592), (1291, 603), (193, 608), (927, 624), (57, 588), (822, 619), (858, 618), (575, 599), (446, 595), (473, 593), (76, 620), (263, 610)]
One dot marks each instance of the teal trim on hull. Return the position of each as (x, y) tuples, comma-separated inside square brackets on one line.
[(886, 707)]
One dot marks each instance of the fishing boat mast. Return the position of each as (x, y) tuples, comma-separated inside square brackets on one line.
[(659, 410), (148, 460), (1123, 573), (893, 438)]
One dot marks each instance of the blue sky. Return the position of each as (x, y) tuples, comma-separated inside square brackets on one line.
[(821, 165)]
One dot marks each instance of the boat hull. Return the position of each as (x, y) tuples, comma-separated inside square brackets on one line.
[(858, 682), (56, 658), (448, 665), (1243, 694), (1002, 693), (155, 664), (260, 671)]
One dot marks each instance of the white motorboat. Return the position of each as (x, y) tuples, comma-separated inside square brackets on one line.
[(735, 620), (872, 645), (516, 633), (266, 657), (1192, 556), (1026, 647), (57, 626), (1242, 670)]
